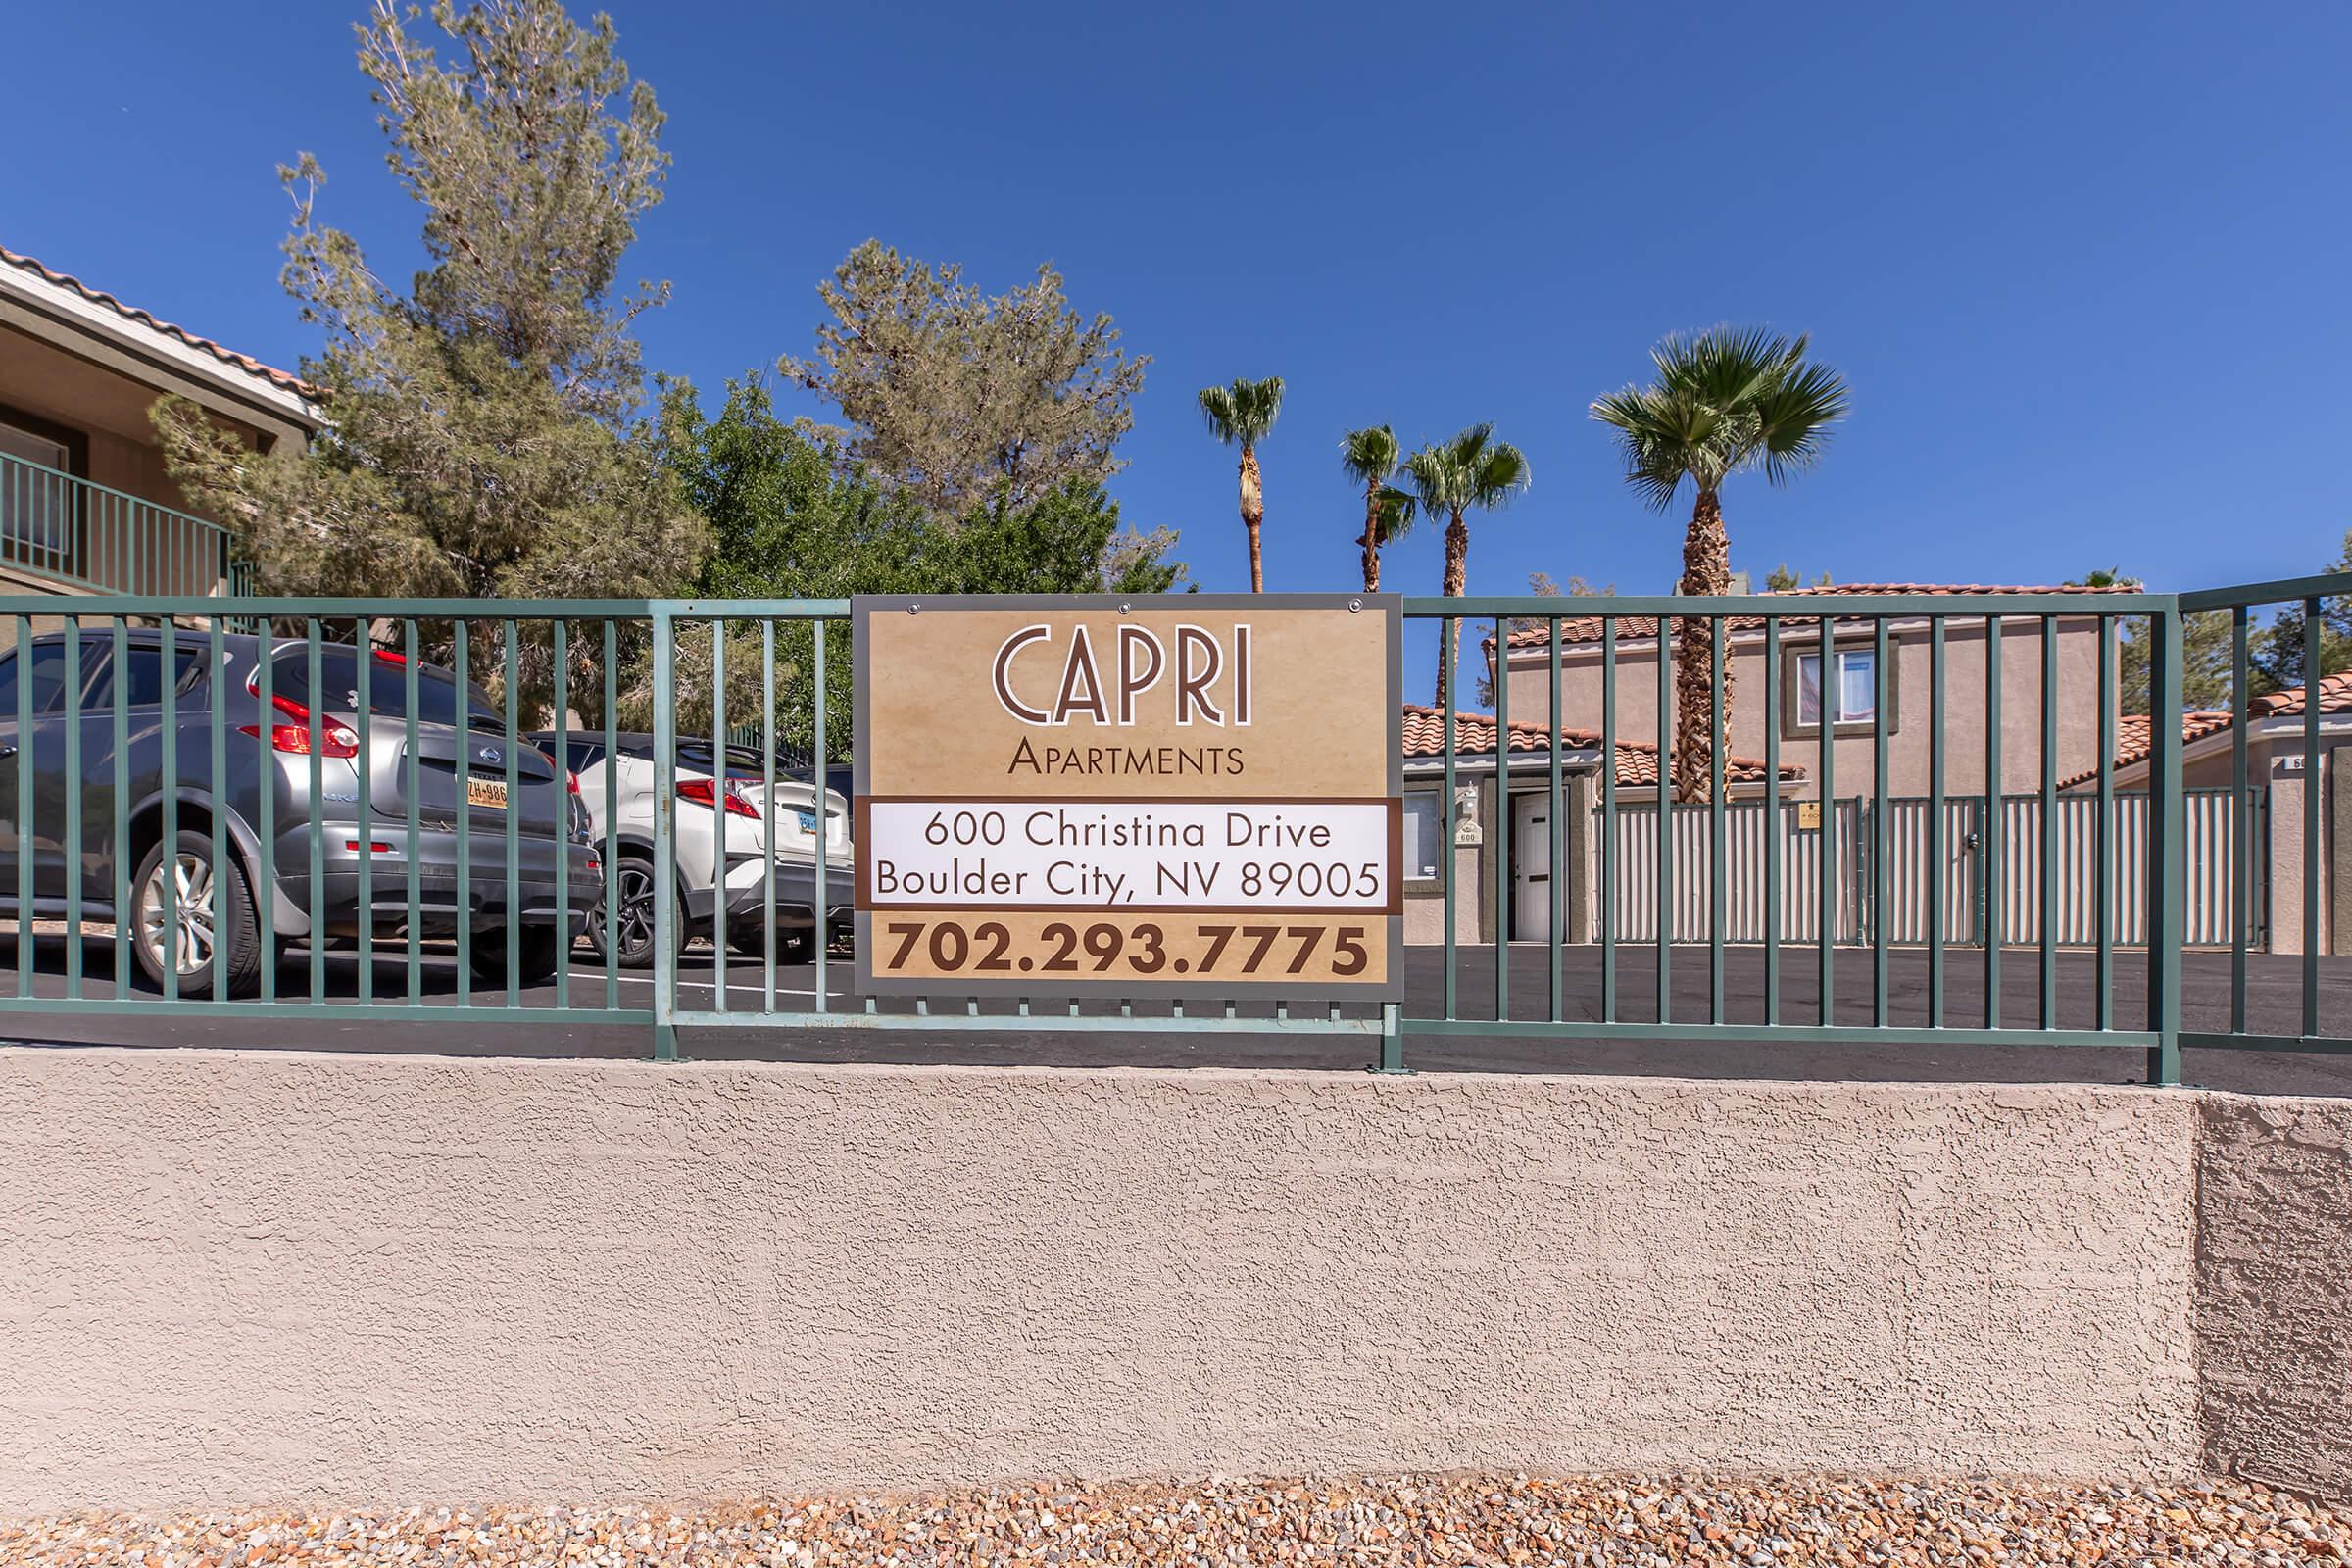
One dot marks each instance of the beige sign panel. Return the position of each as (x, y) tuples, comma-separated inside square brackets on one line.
[(1162, 796)]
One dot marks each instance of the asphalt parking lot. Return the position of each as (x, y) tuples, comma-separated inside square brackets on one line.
[(2273, 1004)]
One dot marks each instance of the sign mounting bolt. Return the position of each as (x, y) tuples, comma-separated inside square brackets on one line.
[(1354, 605)]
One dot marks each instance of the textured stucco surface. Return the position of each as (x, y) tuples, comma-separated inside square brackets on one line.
[(231, 1277), (2275, 1290)]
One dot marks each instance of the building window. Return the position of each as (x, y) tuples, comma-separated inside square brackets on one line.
[(1424, 835), (40, 504), (1851, 694)]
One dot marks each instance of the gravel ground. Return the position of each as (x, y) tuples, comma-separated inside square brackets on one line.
[(1423, 1519)]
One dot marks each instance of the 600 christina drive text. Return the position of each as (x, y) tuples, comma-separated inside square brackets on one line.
[(1161, 855)]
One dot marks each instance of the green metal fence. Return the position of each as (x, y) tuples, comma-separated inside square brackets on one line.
[(62, 528), (423, 850)]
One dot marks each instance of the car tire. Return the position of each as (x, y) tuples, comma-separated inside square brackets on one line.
[(540, 945), (202, 884), (633, 881)]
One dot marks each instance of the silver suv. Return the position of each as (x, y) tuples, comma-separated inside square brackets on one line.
[(462, 754)]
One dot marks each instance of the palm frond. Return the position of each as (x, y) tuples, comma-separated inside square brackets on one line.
[(1723, 400), (1370, 455), (1395, 517), (1219, 413), (1793, 418)]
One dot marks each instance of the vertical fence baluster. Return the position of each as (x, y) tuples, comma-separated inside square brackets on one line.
[(2166, 862), (1452, 856), (2241, 823), (409, 657), (611, 902), (1503, 870), (125, 916), (1556, 858), (1937, 917), (560, 660), (822, 940), (265, 724), (512, 938), (1995, 916), (666, 912), (2312, 863), (2051, 846), (317, 692), (363, 639), (27, 761), (1828, 705), (464, 773), (73, 851), (719, 785), (1718, 783), (1882, 836), (768, 784), (216, 791), (2104, 891), (1608, 818), (1775, 818), (1665, 879)]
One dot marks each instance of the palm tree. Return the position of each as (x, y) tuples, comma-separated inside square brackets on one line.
[(1725, 399), (1473, 469), (1241, 415), (1371, 456)]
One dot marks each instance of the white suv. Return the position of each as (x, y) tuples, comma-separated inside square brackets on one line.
[(781, 831)]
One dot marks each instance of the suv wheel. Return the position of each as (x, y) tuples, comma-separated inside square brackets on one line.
[(633, 884), (213, 909)]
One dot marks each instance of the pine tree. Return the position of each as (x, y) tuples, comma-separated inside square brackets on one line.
[(487, 430)]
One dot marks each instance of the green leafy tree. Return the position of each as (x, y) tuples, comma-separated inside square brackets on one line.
[(2205, 653), (1450, 478), (793, 516), (1243, 415), (487, 435), (2280, 663), (1371, 456), (1780, 580), (958, 398), (1724, 401)]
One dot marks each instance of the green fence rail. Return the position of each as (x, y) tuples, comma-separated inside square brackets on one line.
[(64, 529), (615, 813)]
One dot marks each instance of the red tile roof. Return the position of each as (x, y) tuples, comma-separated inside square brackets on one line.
[(1474, 736), (244, 362), (1584, 626), (2135, 733)]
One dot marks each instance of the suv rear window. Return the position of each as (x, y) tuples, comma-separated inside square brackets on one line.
[(146, 662), (387, 685)]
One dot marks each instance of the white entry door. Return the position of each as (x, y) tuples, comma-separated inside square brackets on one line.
[(1531, 867)]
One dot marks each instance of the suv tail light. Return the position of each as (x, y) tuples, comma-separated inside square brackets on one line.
[(704, 791), (335, 739)]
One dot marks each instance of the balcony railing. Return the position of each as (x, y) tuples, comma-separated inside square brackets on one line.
[(80, 535)]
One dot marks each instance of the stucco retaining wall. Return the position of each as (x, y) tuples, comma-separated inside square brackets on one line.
[(2275, 1290), (264, 1277)]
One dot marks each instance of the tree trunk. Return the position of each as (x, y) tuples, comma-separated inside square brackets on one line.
[(1371, 538), (1457, 583), (1706, 571), (1253, 515)]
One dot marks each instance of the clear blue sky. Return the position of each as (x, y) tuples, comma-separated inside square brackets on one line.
[(2084, 266)]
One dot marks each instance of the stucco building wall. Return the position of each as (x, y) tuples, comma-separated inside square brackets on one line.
[(262, 1277), (1911, 657)]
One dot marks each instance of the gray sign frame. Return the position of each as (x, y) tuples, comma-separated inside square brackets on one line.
[(864, 606)]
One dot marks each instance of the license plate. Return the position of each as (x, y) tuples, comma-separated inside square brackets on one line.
[(807, 819), (490, 792)]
